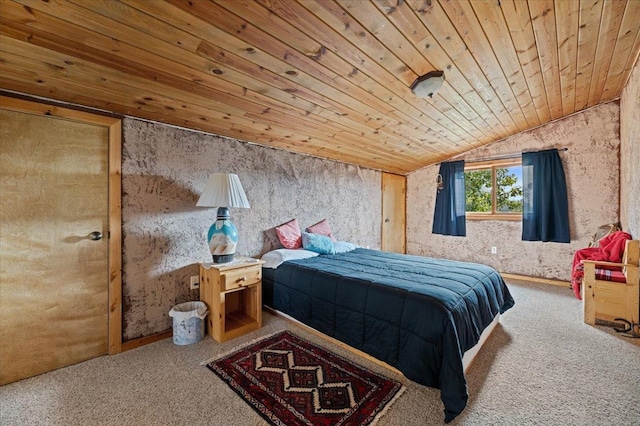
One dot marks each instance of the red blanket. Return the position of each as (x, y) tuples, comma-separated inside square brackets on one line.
[(611, 250)]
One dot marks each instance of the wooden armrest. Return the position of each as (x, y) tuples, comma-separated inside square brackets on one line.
[(604, 263)]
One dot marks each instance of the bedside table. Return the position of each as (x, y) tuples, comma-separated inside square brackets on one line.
[(233, 294)]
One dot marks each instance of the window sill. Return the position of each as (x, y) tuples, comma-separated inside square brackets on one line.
[(497, 216)]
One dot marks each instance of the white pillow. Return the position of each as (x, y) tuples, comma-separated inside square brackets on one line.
[(343, 246), (274, 258)]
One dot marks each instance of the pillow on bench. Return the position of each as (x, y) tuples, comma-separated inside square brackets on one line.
[(610, 275)]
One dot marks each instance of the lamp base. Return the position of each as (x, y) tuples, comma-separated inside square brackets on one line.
[(222, 258), (222, 237)]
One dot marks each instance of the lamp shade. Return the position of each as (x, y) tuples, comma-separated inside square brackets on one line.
[(223, 190)]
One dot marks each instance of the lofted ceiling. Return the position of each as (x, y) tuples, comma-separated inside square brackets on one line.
[(328, 78)]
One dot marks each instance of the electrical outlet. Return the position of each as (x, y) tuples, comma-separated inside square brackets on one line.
[(494, 250), (194, 283)]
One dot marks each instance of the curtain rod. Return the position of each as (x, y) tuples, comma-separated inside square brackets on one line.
[(502, 157)]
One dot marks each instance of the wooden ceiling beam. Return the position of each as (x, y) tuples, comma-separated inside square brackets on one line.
[(437, 22), (612, 13), (631, 62), (544, 28), (281, 69), (567, 14), (258, 73), (273, 48), (136, 53), (518, 20), (402, 112), (456, 90), (589, 29), (145, 102), (328, 78), (472, 34), (489, 17), (396, 92), (625, 51), (374, 20)]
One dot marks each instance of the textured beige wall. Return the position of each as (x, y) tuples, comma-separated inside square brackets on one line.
[(630, 154), (164, 171), (591, 168)]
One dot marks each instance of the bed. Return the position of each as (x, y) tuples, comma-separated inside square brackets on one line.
[(417, 314)]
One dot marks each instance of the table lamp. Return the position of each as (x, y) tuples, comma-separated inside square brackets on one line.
[(223, 190)]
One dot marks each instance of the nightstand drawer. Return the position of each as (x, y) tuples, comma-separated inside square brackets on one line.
[(240, 278)]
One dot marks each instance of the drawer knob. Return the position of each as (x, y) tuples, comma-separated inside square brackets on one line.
[(241, 279)]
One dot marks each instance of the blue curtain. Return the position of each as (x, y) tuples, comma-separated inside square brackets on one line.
[(449, 214), (545, 214)]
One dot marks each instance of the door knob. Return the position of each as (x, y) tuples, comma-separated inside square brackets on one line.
[(95, 236)]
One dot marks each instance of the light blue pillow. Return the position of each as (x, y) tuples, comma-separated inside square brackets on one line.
[(318, 243), (343, 246)]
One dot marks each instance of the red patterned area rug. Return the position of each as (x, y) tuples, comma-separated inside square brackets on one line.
[(291, 381)]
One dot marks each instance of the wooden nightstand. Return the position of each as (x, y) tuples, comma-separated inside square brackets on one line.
[(233, 294)]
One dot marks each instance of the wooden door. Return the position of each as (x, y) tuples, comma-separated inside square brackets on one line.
[(394, 189), (54, 279)]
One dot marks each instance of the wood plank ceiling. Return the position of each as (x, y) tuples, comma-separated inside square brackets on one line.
[(328, 78)]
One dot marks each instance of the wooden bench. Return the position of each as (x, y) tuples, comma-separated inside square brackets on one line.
[(610, 299)]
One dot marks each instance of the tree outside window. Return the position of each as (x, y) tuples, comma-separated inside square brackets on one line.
[(494, 190)]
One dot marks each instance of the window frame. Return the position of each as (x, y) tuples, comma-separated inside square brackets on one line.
[(493, 165)]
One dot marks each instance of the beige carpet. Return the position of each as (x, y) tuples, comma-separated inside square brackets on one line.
[(541, 366)]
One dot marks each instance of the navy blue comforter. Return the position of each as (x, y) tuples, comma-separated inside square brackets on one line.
[(417, 314)]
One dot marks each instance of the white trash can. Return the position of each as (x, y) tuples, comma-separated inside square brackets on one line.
[(188, 322)]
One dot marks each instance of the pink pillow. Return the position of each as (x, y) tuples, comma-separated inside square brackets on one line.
[(321, 228), (289, 234)]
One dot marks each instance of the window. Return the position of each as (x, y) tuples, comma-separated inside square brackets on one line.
[(493, 190)]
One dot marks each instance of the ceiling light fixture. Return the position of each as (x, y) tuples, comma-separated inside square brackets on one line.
[(428, 85)]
